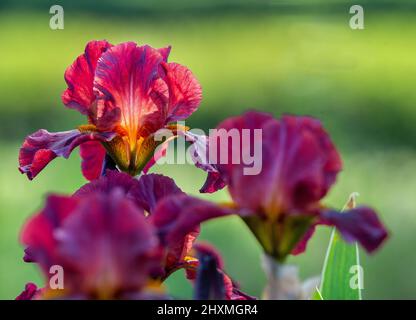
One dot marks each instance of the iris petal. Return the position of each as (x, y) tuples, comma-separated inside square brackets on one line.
[(92, 154), (360, 224), (42, 147), (80, 76)]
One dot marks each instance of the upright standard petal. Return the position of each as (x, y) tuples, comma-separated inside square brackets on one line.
[(42, 147), (185, 92), (299, 162), (124, 78), (80, 77)]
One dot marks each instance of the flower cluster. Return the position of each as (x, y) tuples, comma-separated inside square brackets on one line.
[(125, 232)]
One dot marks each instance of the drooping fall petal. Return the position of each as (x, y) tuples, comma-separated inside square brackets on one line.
[(92, 154), (42, 147), (360, 224), (80, 76), (177, 219)]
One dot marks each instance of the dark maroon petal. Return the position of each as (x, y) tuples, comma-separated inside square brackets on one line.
[(124, 77), (233, 174), (360, 224), (42, 147), (185, 92), (37, 234), (92, 154), (151, 189), (298, 161), (29, 293), (102, 241), (106, 184), (107, 244), (178, 218), (80, 76)]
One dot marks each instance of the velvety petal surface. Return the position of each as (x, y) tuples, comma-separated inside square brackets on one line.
[(108, 246), (38, 232), (106, 184), (150, 189), (360, 224), (103, 242), (92, 154)]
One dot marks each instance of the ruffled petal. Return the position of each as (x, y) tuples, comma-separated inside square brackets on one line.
[(360, 224), (80, 76), (151, 189), (106, 184), (42, 147), (92, 154), (124, 77), (185, 92)]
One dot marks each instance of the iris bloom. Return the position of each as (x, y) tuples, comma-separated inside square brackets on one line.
[(127, 92), (282, 204), (116, 235)]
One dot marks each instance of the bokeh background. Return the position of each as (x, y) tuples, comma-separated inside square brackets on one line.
[(280, 56)]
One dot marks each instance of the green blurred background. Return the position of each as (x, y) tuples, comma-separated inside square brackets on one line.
[(280, 56)]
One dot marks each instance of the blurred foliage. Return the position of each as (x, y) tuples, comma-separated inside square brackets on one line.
[(280, 56)]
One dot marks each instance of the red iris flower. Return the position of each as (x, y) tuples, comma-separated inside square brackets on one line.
[(127, 92), (116, 234), (282, 204)]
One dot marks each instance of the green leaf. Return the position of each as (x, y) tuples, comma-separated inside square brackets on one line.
[(317, 295), (341, 274)]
